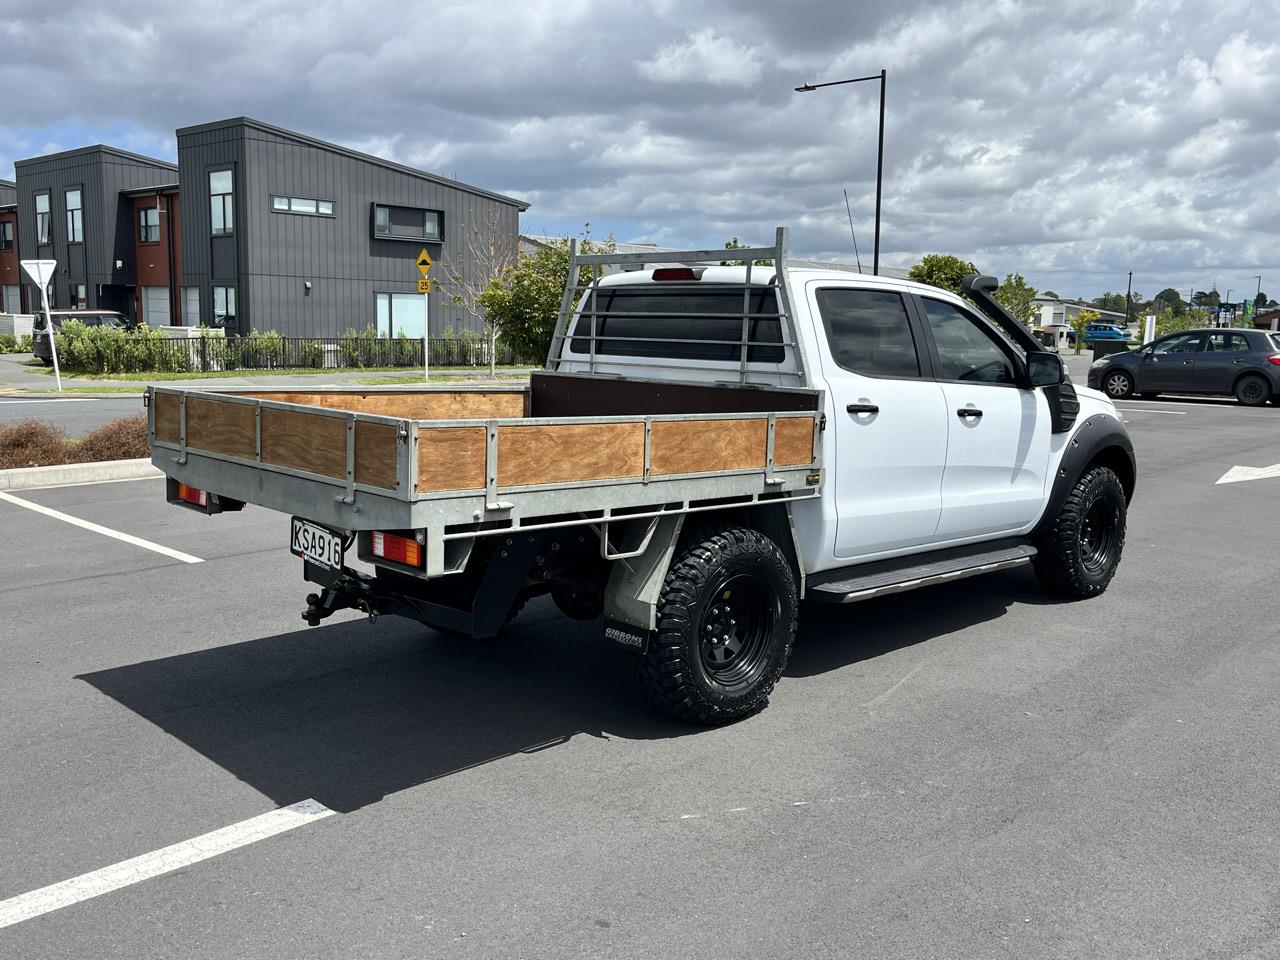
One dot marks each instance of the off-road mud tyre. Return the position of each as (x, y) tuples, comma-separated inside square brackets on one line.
[(726, 624), (1080, 552)]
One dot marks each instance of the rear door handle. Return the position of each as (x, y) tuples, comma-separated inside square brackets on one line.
[(862, 408), (965, 413)]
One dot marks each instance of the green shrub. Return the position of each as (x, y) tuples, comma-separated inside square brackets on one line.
[(84, 349), (8, 343)]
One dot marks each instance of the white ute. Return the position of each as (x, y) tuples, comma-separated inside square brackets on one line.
[(946, 443)]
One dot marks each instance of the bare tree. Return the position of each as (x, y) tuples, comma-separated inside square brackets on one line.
[(489, 250)]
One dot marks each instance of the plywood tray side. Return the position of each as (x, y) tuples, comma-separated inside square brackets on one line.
[(700, 446)]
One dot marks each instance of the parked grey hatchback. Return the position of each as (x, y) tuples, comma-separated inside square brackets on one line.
[(1228, 362)]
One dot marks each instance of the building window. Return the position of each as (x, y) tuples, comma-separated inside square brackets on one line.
[(221, 194), (224, 307), (320, 208), (406, 223), (149, 225), (42, 218), (191, 306), (75, 217), (79, 298), (6, 234), (401, 314)]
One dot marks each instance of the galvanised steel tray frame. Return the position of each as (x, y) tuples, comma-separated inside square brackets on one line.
[(494, 510)]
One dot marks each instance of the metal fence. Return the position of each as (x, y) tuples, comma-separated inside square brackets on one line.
[(211, 354)]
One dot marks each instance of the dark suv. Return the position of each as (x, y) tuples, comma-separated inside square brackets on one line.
[(1230, 362), (40, 347)]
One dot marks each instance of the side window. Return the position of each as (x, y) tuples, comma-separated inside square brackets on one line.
[(1237, 343), (965, 348), (1182, 343), (869, 332)]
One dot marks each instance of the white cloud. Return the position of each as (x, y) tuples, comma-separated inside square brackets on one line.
[(1069, 141), (705, 57)]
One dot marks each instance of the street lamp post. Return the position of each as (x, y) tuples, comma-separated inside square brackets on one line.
[(881, 76)]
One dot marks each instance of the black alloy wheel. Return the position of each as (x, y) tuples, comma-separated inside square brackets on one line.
[(734, 631), (1099, 537)]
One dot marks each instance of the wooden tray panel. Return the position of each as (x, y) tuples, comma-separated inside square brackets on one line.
[(424, 405), (698, 446), (221, 427), (376, 454), (305, 441), (559, 453), (451, 458), (168, 425), (792, 441)]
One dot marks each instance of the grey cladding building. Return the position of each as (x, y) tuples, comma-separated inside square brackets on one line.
[(72, 209), (284, 232)]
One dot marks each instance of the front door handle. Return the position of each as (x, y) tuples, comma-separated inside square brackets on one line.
[(1187, 363), (965, 413), (862, 408), (1237, 361)]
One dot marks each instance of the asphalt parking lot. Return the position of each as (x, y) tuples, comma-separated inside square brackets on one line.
[(969, 772)]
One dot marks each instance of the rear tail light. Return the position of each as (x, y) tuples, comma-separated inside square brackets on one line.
[(193, 495), (1274, 358), (397, 549), (675, 273)]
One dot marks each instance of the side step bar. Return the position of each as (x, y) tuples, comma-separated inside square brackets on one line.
[(906, 573)]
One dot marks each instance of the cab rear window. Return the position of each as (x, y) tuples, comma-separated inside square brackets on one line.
[(646, 321)]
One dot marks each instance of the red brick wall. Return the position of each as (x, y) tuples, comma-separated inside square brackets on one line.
[(153, 258), (10, 271)]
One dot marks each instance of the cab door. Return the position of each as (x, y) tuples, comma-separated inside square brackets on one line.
[(998, 430), (889, 419)]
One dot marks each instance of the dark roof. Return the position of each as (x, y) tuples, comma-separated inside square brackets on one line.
[(98, 148), (353, 154), (8, 183), (147, 191)]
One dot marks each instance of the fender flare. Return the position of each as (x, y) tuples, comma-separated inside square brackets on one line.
[(1100, 439)]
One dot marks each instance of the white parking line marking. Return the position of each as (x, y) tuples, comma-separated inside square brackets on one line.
[(166, 860), (105, 531)]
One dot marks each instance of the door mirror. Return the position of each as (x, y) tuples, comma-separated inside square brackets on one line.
[(1045, 369)]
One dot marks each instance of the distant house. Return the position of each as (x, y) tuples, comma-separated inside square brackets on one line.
[(1060, 312), (1269, 320)]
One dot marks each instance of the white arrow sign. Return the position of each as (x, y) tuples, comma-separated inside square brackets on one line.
[(1240, 474)]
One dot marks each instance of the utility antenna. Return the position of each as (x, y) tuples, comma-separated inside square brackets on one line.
[(851, 233)]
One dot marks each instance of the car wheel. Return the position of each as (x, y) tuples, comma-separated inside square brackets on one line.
[(1118, 385), (726, 622), (1078, 555), (1252, 390)]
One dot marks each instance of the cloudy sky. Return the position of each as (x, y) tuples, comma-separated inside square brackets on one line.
[(1070, 141)]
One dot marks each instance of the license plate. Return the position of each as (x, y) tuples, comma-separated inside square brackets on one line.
[(316, 544)]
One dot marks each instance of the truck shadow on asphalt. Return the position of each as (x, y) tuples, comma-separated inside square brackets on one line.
[(348, 713)]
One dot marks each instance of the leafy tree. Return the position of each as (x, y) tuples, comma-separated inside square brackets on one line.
[(1169, 322), (523, 301), (1080, 321), (734, 244), (1112, 301), (1210, 299), (1260, 302), (1170, 299), (1018, 298), (1051, 294), (942, 270)]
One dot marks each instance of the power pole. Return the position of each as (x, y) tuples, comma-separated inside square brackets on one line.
[(1127, 295)]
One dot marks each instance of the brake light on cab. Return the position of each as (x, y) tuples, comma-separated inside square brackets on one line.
[(1274, 358)]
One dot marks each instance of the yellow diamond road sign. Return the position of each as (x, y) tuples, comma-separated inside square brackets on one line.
[(424, 262)]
